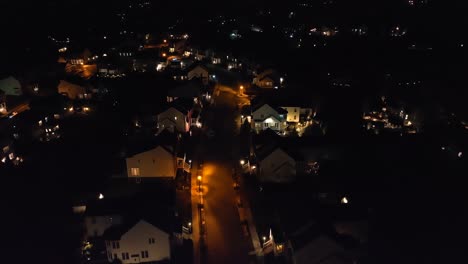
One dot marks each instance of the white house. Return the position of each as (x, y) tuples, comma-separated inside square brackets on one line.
[(11, 86), (266, 116), (174, 119), (138, 243), (156, 162), (275, 165)]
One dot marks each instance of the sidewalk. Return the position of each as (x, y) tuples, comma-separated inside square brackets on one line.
[(247, 214), (196, 209)]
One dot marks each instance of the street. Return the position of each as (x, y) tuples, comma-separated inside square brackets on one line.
[(225, 242)]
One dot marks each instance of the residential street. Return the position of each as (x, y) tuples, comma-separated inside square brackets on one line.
[(225, 242)]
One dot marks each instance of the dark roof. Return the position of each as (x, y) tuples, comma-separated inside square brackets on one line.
[(246, 110), (189, 90), (281, 111), (196, 64), (265, 150), (195, 113), (105, 207), (183, 105), (165, 139)]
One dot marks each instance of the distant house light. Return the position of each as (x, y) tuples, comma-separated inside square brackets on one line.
[(344, 200)]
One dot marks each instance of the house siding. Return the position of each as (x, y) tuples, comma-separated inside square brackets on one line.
[(175, 116), (136, 240), (157, 162)]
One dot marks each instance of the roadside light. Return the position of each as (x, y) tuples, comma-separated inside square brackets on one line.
[(70, 109), (254, 167), (264, 238), (199, 177), (189, 223), (242, 162), (165, 41), (101, 196), (344, 200), (164, 54), (241, 87)]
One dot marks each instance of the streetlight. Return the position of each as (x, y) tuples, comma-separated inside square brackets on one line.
[(101, 196), (199, 178), (242, 162)]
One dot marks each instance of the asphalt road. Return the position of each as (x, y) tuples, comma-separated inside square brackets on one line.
[(225, 241)]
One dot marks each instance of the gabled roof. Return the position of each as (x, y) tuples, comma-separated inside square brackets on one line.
[(116, 232), (279, 110), (198, 64), (165, 139), (266, 150)]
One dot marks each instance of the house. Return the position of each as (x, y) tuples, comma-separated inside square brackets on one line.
[(138, 242), (73, 91), (79, 58), (100, 216), (155, 162), (3, 105), (265, 116), (199, 71), (189, 91), (11, 86), (176, 117), (196, 118), (268, 79), (320, 249), (6, 148), (300, 109), (275, 165)]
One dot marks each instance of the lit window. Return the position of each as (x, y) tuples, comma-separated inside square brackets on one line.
[(135, 171)]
